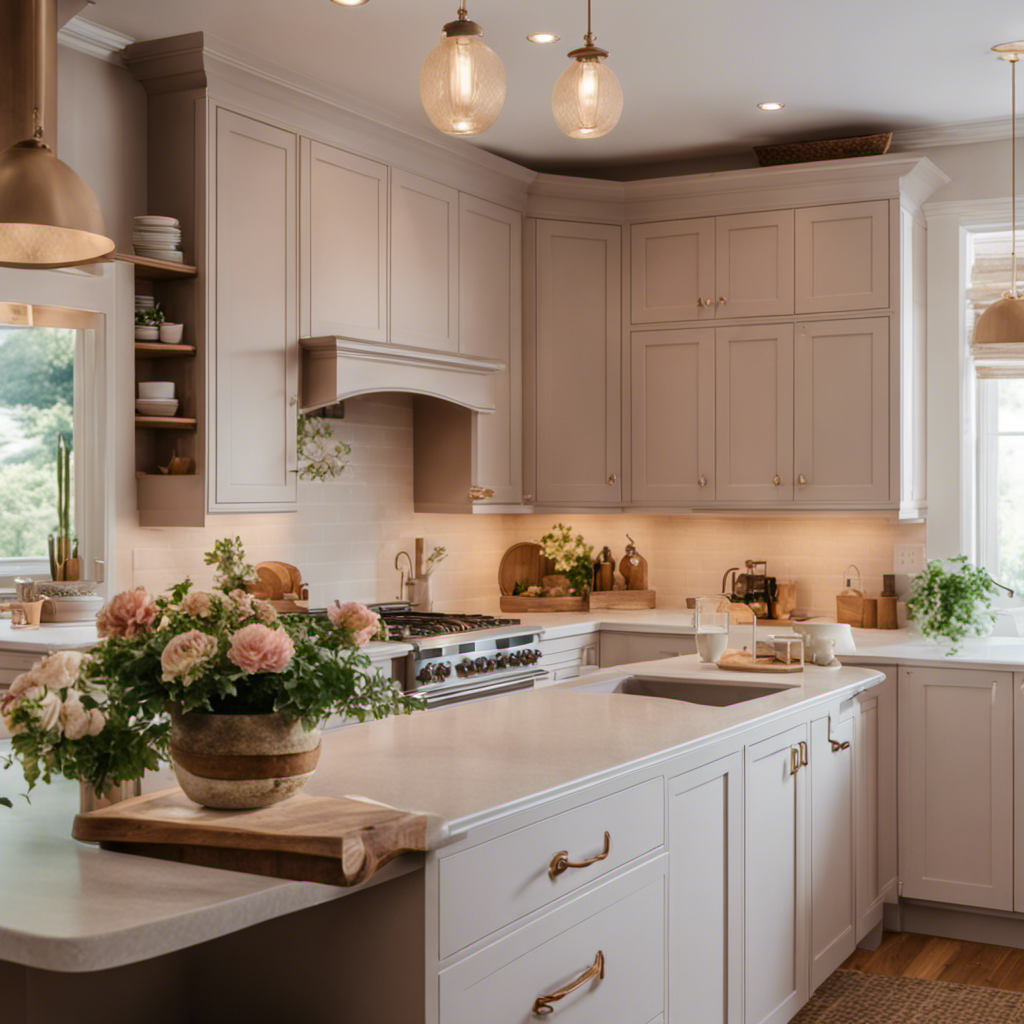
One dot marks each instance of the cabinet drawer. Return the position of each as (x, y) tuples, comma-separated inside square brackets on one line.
[(624, 921), (498, 882), (627, 648)]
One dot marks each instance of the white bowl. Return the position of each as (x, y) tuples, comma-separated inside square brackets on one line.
[(156, 406), (147, 332), (837, 631), (156, 389), (151, 220), (171, 334)]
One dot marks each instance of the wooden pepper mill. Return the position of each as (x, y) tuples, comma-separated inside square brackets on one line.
[(887, 614), (633, 567)]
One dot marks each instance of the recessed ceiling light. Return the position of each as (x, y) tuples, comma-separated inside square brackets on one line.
[(542, 37), (350, 3), (771, 105)]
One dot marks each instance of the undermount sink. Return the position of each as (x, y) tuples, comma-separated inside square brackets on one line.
[(715, 695)]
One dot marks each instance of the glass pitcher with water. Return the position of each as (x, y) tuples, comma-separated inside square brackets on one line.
[(711, 626)]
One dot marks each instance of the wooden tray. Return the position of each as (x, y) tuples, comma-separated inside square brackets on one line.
[(334, 840), (744, 661), (523, 562), (543, 604), (623, 599)]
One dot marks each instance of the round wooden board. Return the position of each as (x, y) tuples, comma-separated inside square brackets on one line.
[(522, 561)]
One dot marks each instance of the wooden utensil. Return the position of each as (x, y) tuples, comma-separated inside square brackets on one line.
[(334, 840), (523, 562), (744, 661)]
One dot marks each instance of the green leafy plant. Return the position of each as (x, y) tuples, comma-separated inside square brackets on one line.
[(572, 555), (149, 317), (102, 718), (323, 454), (951, 600), (233, 571), (435, 558)]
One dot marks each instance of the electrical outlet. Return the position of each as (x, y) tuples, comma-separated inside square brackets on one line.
[(908, 559)]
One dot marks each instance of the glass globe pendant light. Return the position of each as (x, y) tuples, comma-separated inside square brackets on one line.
[(462, 82), (587, 101), (998, 341)]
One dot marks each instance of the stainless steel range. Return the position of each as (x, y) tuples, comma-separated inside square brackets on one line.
[(463, 657)]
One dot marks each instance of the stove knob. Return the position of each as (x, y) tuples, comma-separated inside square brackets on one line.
[(425, 675), (491, 664), (530, 657), (515, 658), (443, 669), (502, 661), (481, 664), (468, 666)]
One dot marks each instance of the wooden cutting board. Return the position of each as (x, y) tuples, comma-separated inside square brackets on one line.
[(523, 562), (334, 840), (744, 661)]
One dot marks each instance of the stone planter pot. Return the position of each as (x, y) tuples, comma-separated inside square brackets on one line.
[(240, 761)]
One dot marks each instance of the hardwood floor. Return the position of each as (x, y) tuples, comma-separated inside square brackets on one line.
[(925, 956)]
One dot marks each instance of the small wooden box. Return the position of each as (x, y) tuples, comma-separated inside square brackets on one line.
[(542, 604), (626, 600), (850, 610)]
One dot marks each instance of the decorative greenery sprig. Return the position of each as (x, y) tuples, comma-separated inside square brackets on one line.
[(149, 317), (322, 452), (233, 571), (435, 558), (572, 555), (951, 600)]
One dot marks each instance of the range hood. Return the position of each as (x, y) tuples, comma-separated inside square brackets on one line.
[(334, 369), (450, 392)]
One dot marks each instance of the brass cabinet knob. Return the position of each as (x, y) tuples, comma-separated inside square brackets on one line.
[(527, 498), (612, 480), (478, 493), (801, 480), (721, 300), (777, 480), (703, 481), (709, 302)]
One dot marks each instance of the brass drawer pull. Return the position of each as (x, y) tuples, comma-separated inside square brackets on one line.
[(836, 744), (803, 754), (794, 760), (542, 1004), (560, 862)]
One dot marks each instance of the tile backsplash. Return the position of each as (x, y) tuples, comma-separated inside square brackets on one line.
[(347, 532)]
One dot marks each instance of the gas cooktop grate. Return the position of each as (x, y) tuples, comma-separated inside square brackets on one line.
[(403, 625)]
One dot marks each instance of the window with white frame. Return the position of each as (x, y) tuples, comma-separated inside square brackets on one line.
[(37, 405), (1000, 423)]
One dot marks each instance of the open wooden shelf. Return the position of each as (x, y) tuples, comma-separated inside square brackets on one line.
[(139, 474), (162, 350), (156, 270), (166, 423)]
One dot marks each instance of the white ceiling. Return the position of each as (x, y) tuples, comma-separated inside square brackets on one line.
[(692, 73)]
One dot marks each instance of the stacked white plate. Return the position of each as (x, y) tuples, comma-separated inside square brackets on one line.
[(158, 238), (156, 406), (144, 303)]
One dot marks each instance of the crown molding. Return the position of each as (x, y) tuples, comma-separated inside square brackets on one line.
[(972, 212), (95, 40), (958, 133)]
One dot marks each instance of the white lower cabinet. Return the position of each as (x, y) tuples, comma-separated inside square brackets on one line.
[(775, 974), (956, 786), (618, 926), (569, 657), (706, 894), (832, 830), (630, 648)]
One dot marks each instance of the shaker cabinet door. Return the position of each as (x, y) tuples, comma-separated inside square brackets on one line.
[(956, 786), (754, 264), (578, 350), (754, 413), (424, 263), (672, 271), (345, 243), (842, 257), (841, 439), (491, 325), (673, 416), (255, 358)]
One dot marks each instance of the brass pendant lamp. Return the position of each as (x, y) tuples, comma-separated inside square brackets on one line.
[(49, 217), (999, 332), (587, 99)]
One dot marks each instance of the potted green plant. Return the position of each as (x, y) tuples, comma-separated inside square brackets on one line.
[(147, 323), (950, 601)]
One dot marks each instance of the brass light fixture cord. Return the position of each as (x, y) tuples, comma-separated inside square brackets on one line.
[(1013, 171), (39, 25)]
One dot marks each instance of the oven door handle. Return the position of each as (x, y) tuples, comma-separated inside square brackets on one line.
[(439, 696)]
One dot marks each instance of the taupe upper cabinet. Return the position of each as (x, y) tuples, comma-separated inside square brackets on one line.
[(424, 262), (578, 349), (754, 413), (491, 325), (842, 257), (345, 241), (255, 388), (754, 264), (841, 440), (673, 416), (673, 271)]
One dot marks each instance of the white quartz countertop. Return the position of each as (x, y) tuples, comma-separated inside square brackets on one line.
[(69, 906), (59, 636)]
